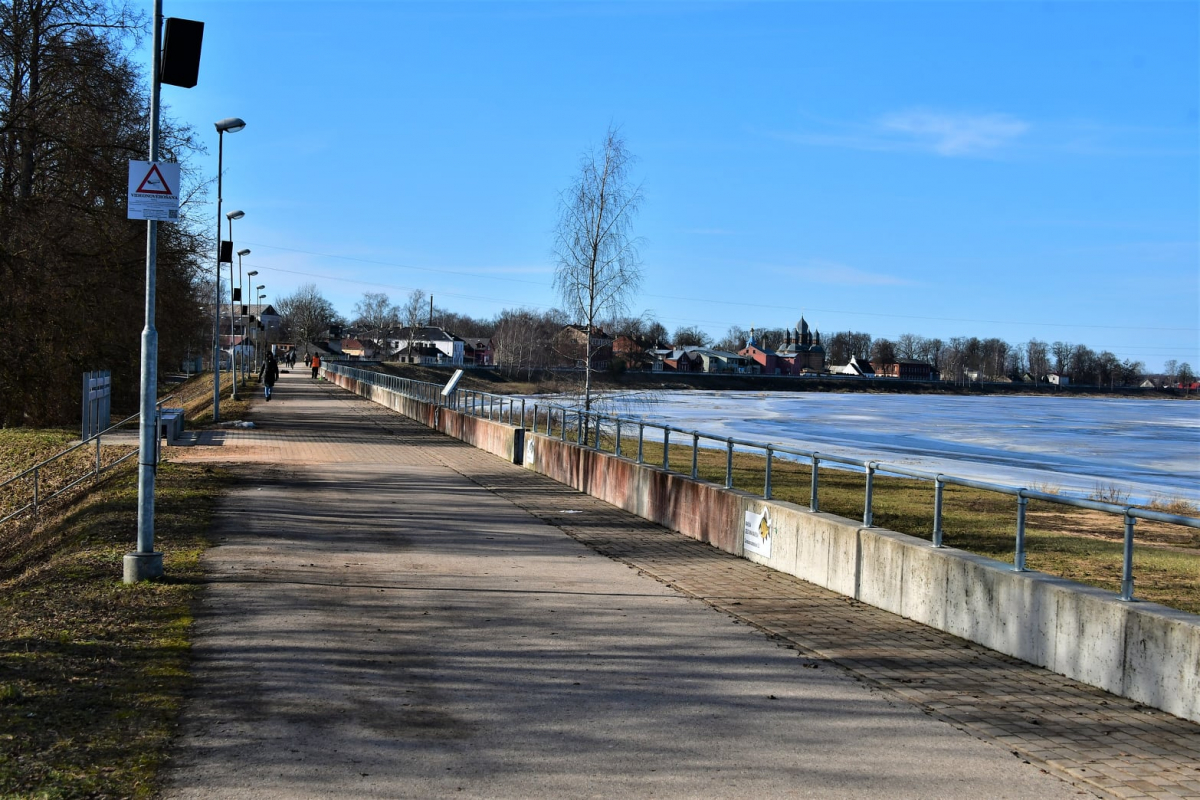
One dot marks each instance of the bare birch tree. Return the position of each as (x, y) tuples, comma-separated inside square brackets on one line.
[(412, 313), (599, 267)]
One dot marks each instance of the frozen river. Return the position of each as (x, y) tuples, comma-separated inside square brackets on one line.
[(1148, 448)]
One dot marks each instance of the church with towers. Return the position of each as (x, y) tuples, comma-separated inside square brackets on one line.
[(801, 353)]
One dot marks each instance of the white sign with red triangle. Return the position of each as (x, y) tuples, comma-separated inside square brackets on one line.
[(153, 190)]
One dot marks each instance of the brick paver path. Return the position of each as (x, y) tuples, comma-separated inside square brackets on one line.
[(1107, 744)]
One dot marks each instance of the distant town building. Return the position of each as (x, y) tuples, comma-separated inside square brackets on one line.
[(799, 355)]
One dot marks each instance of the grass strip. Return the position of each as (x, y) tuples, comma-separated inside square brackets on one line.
[(93, 672)]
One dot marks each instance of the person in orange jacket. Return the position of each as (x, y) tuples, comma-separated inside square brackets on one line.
[(316, 364)]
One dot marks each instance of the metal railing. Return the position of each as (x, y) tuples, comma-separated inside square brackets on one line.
[(586, 429), (95, 470)]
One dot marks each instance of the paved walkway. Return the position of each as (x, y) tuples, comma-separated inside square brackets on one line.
[(390, 615)]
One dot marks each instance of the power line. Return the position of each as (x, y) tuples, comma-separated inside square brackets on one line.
[(752, 305)]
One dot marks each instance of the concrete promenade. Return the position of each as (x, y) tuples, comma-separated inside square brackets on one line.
[(392, 613)]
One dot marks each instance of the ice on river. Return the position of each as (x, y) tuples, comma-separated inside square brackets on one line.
[(1148, 448)]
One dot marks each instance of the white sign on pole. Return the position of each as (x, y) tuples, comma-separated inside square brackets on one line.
[(153, 190)]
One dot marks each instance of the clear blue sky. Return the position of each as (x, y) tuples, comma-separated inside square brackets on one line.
[(1008, 169)]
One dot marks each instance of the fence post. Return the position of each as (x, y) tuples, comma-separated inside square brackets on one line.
[(35, 489), (868, 512), (729, 463), (599, 423), (667, 449), (767, 483), (1127, 559), (617, 448), (562, 427), (695, 455), (813, 502), (641, 438), (1019, 556), (97, 456), (535, 415), (939, 484), (579, 428), (523, 414)]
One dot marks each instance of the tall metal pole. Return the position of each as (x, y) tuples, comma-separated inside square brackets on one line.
[(217, 288), (146, 563), (241, 346), (232, 333)]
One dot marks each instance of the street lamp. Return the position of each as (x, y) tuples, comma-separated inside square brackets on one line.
[(231, 216), (230, 125), (241, 353), (246, 325), (259, 300)]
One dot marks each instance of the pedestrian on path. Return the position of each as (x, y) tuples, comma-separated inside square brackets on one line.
[(316, 365), (269, 374)]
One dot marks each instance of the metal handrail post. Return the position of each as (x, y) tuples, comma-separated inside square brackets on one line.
[(562, 427), (729, 463), (579, 422), (939, 485), (641, 439), (1127, 559), (767, 482), (666, 449), (617, 447), (36, 470), (535, 415), (599, 423), (695, 455), (523, 413), (1019, 556), (868, 511), (97, 456), (813, 501)]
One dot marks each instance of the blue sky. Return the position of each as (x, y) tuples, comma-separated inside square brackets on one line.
[(1008, 169)]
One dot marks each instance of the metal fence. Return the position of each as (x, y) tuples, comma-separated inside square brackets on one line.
[(40, 495), (587, 429)]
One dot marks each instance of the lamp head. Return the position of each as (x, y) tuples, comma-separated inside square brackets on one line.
[(252, 272), (261, 287), (230, 124), (245, 252), (235, 214)]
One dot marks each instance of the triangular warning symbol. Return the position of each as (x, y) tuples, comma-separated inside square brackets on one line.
[(153, 183)]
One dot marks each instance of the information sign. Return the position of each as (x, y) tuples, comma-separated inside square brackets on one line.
[(153, 190)]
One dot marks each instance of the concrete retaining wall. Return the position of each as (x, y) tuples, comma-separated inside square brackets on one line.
[(1143, 651), (496, 438)]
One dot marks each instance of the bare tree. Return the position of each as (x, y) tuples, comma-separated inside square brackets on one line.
[(691, 336), (599, 267), (735, 339), (375, 311), (412, 313), (306, 312), (883, 351), (1062, 354), (1038, 357)]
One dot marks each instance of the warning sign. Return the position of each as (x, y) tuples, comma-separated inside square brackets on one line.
[(153, 190)]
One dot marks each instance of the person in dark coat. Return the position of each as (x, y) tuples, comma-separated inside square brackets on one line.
[(269, 374)]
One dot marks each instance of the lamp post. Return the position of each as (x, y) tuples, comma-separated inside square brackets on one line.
[(231, 216), (241, 304), (230, 125), (259, 300), (253, 336)]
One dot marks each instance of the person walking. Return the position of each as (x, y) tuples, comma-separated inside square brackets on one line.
[(316, 365), (269, 374)]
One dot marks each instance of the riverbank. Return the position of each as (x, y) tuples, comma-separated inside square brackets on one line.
[(497, 381)]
